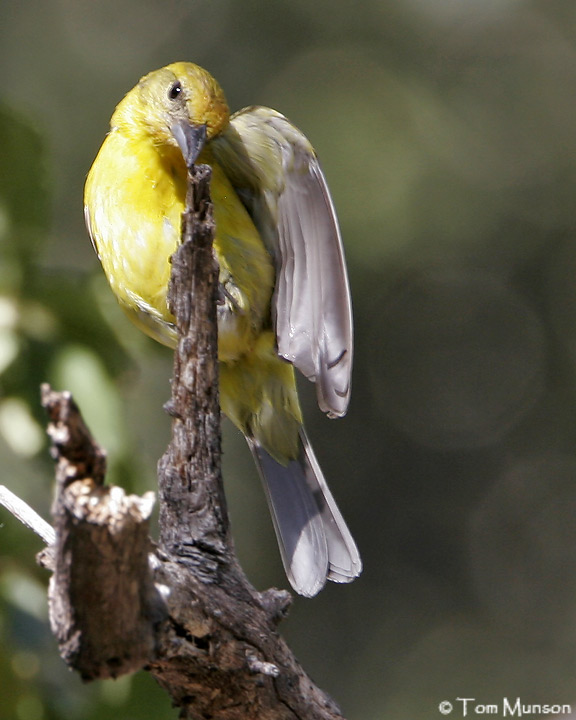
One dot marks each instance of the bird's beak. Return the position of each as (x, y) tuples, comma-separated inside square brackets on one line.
[(190, 139)]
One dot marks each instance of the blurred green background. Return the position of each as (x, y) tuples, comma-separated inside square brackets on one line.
[(447, 133)]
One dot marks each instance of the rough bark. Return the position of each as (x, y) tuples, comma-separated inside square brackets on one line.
[(104, 607), (182, 610), (231, 662)]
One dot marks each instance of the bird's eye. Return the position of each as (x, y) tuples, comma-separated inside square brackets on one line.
[(175, 90)]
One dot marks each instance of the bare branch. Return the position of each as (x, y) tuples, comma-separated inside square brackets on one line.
[(186, 611), (192, 503), (230, 663), (103, 604), (27, 516)]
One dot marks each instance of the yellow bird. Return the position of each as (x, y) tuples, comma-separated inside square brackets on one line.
[(284, 286)]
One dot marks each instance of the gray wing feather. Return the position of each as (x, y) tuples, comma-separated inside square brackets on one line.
[(277, 174), (315, 543), (313, 311), (344, 563), (297, 522)]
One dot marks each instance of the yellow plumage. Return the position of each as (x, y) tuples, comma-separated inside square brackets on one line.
[(282, 275)]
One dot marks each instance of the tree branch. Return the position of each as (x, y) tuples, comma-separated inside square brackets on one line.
[(26, 515), (193, 510), (231, 661), (184, 610), (103, 604)]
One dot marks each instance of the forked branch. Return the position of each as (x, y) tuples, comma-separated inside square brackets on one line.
[(182, 610)]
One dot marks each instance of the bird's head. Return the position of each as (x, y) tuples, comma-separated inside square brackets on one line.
[(180, 105)]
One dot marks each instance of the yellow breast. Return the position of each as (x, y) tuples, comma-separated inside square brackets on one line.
[(134, 198)]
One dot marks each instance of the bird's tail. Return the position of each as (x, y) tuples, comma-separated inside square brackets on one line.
[(314, 541)]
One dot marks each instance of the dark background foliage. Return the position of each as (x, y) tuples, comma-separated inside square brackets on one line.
[(446, 130)]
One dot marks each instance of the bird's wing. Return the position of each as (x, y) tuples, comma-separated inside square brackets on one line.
[(275, 171)]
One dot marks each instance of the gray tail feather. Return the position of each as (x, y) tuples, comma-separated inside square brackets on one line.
[(315, 543)]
